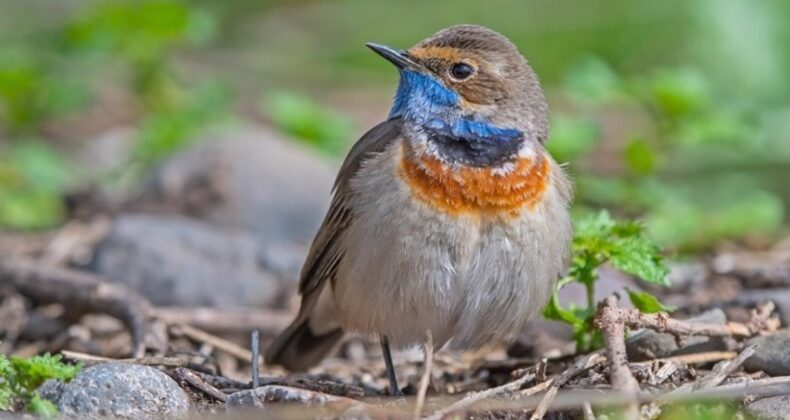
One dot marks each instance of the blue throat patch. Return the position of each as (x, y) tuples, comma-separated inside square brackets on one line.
[(425, 101)]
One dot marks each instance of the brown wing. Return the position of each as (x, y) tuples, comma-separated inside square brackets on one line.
[(326, 252)]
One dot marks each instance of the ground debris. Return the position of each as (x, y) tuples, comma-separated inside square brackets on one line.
[(56, 307)]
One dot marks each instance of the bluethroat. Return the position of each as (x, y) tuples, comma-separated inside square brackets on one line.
[(450, 217)]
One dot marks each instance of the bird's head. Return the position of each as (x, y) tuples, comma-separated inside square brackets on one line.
[(470, 88)]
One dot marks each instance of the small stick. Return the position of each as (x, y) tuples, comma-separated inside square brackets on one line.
[(537, 389), (591, 360), (474, 397), (146, 361), (612, 327), (724, 369), (719, 373), (760, 388), (661, 322), (227, 320), (573, 399), (197, 382), (219, 343), (664, 373), (693, 358), (426, 376), (588, 411), (223, 382), (255, 344)]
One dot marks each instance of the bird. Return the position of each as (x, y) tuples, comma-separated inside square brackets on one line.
[(450, 218)]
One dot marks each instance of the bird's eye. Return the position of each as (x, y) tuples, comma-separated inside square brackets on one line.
[(461, 71)]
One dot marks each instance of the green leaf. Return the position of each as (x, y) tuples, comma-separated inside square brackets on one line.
[(555, 311), (20, 377), (5, 366), (6, 394), (41, 407), (599, 239), (641, 258), (647, 303), (32, 372), (6, 398)]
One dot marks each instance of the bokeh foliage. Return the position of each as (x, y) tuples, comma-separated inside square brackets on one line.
[(674, 112)]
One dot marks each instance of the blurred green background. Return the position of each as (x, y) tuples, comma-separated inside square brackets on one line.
[(675, 112)]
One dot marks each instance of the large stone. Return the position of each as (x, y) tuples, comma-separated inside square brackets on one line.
[(770, 408), (121, 390), (256, 180), (772, 355), (179, 261)]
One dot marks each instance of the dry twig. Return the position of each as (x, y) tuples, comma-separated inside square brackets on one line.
[(761, 322), (255, 344), (581, 365), (227, 320), (426, 376), (89, 359), (193, 379), (587, 410), (83, 292), (474, 397), (692, 358), (612, 327), (222, 382), (219, 343), (719, 373)]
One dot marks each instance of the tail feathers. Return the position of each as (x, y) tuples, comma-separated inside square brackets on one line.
[(298, 348)]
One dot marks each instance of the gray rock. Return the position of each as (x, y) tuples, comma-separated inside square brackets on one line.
[(772, 355), (253, 179), (544, 338), (770, 408), (683, 274), (179, 261), (649, 344), (122, 390), (51, 389)]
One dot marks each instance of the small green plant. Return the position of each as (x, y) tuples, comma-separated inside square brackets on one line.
[(20, 377), (598, 240)]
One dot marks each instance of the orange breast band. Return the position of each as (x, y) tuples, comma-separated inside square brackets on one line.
[(467, 190)]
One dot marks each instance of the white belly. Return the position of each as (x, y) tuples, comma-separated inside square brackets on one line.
[(408, 268)]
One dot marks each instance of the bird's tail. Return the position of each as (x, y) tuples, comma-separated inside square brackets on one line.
[(299, 348)]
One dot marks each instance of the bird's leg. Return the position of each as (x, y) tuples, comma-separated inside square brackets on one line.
[(385, 350)]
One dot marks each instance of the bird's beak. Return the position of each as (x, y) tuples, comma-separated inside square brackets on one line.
[(399, 58)]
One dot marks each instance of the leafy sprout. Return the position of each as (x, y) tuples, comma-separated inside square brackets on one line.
[(599, 240), (20, 378)]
